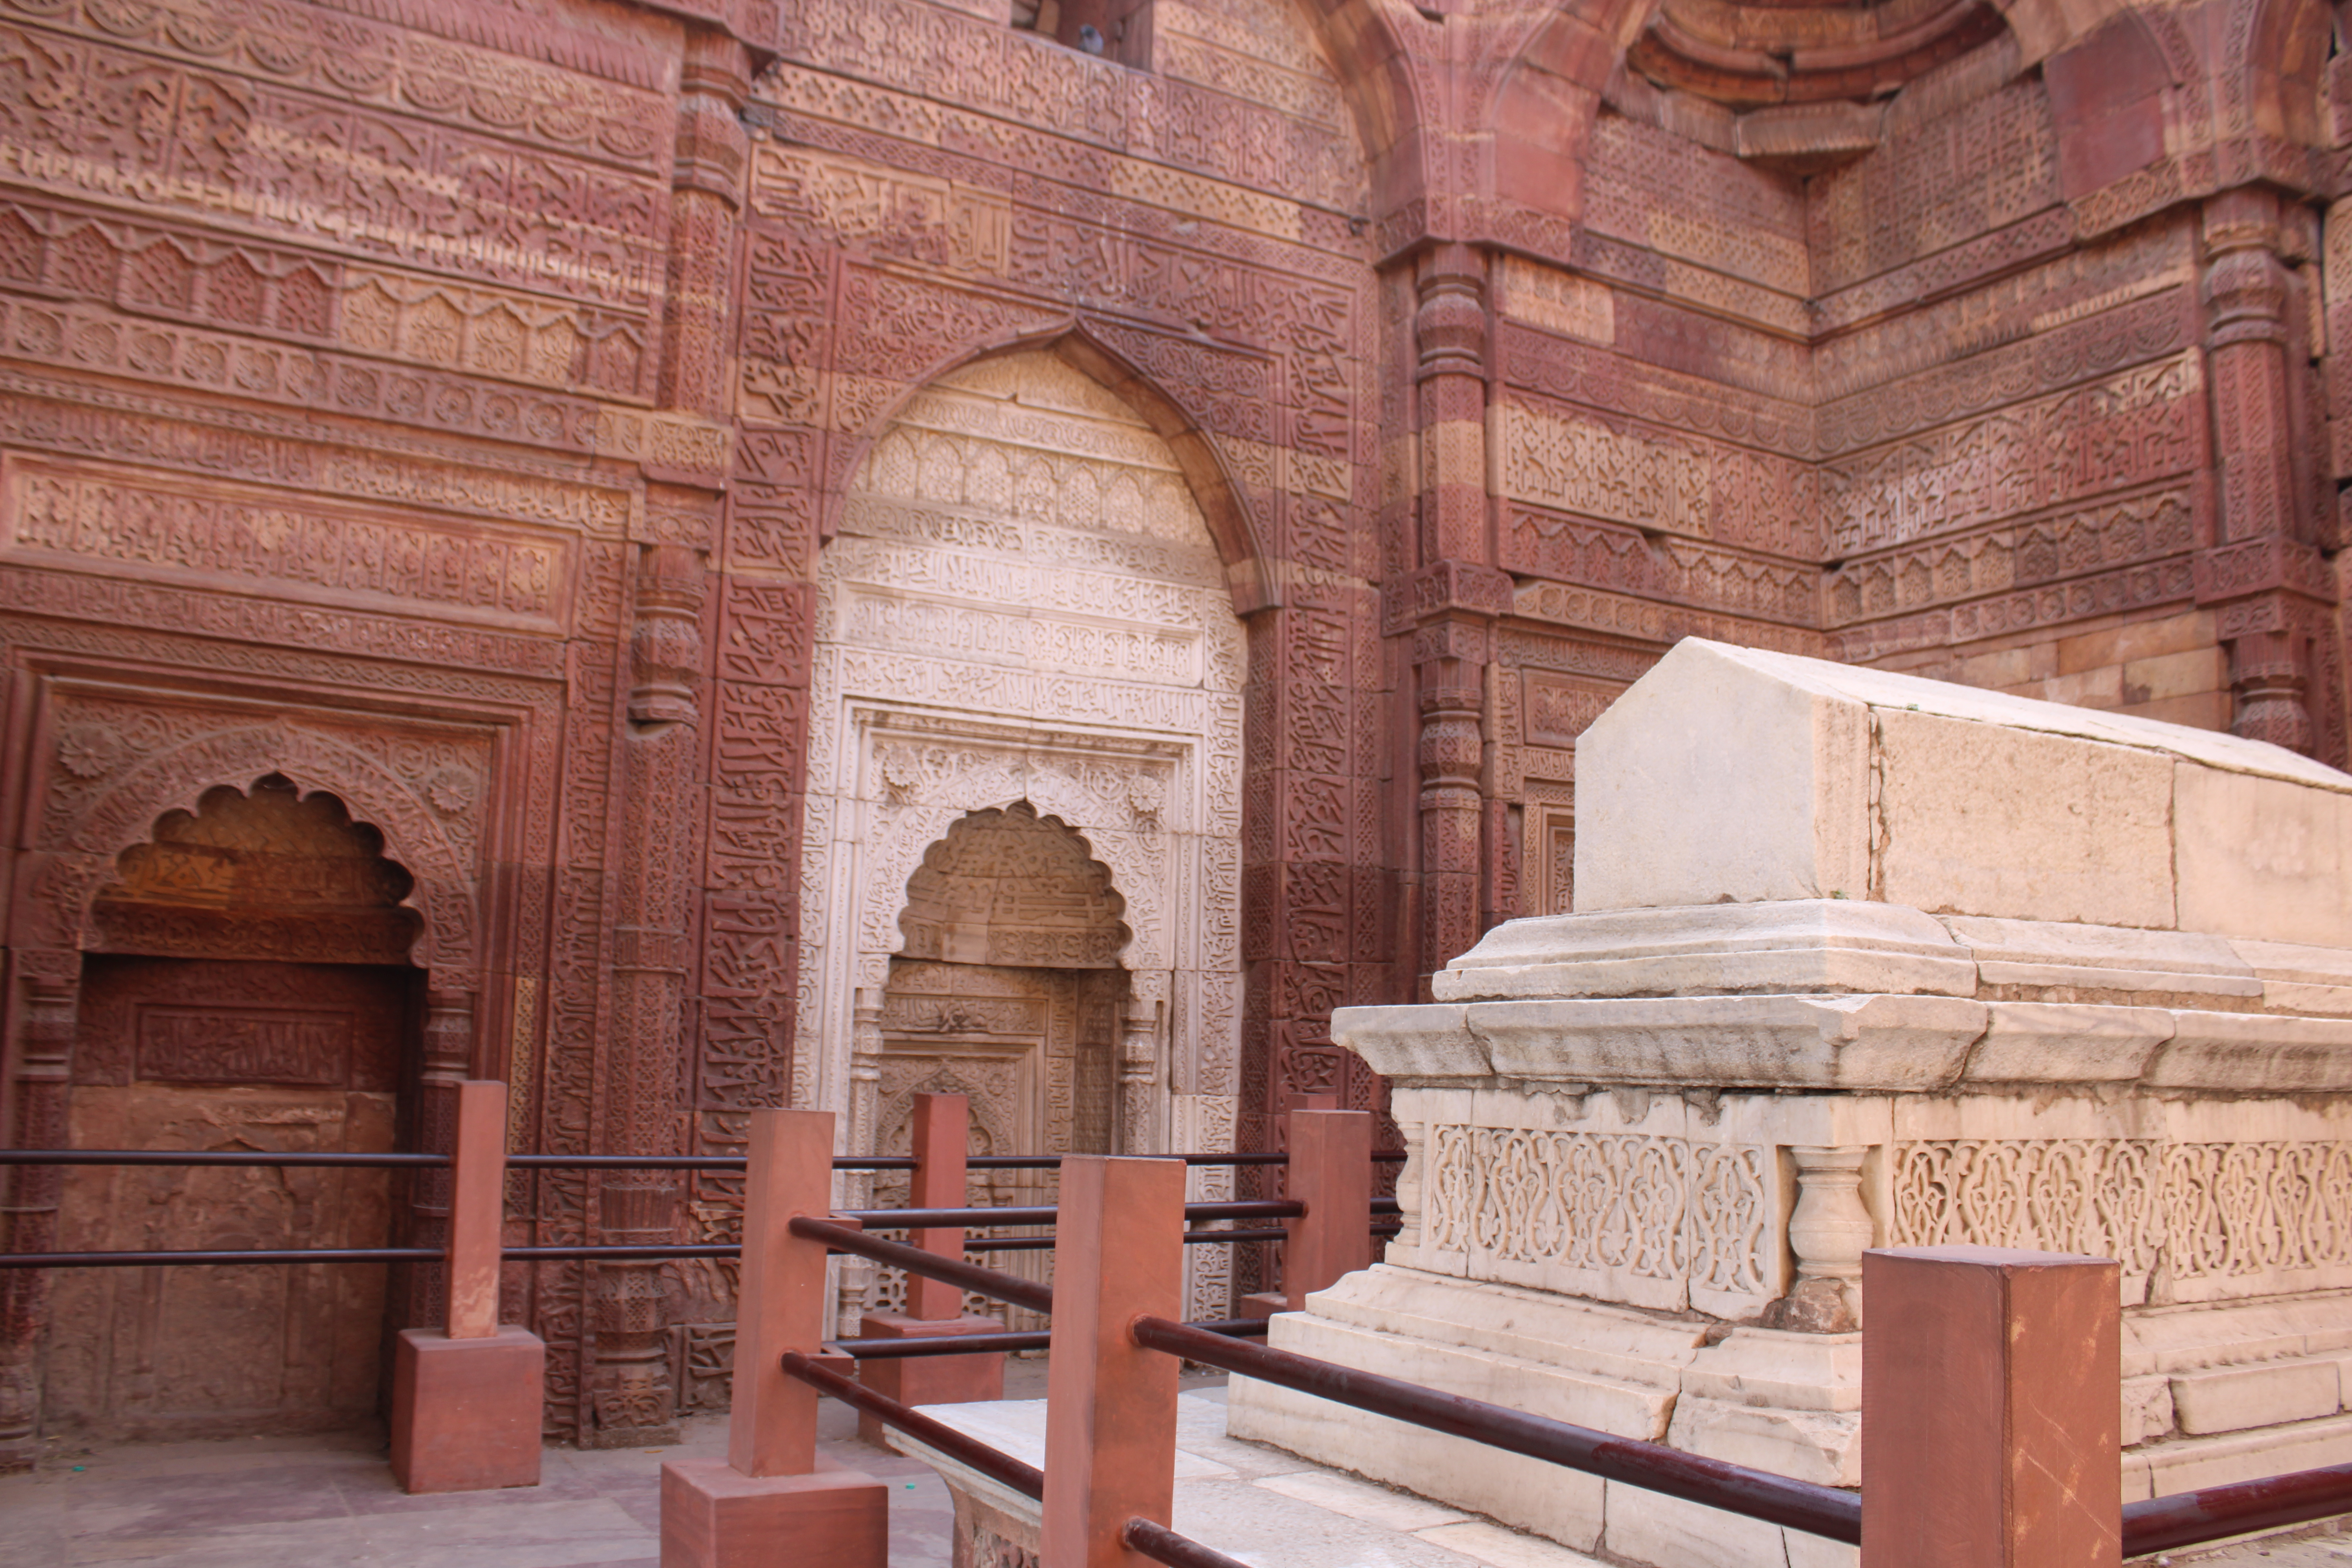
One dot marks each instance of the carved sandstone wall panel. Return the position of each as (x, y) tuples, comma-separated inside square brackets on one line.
[(177, 1053), (1975, 171), (429, 185)]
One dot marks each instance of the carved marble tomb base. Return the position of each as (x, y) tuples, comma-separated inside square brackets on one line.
[(1650, 1141)]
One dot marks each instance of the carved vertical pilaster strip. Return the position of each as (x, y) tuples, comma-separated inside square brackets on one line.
[(1451, 647), (631, 1397), (706, 193), (2271, 684), (1139, 1074), (2261, 523), (49, 987), (855, 1277), (1829, 1231), (630, 1400), (420, 1288)]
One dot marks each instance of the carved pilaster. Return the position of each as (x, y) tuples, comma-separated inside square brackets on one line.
[(419, 1288), (2271, 684), (1452, 745), (1451, 341), (706, 193), (629, 1397), (1139, 1079), (854, 1276), (1827, 1231), (2263, 524), (49, 986)]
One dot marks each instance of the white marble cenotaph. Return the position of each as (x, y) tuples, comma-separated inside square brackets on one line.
[(1858, 960)]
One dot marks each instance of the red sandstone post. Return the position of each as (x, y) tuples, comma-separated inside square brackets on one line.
[(465, 1397), (1991, 1396), (1331, 1173), (1267, 1303), (942, 1132), (1110, 1413), (477, 1182), (943, 1129), (766, 1502)]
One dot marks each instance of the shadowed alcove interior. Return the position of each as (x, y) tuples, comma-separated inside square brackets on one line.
[(249, 988)]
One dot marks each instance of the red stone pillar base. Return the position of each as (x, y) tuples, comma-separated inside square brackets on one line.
[(714, 1516), (465, 1412), (929, 1379)]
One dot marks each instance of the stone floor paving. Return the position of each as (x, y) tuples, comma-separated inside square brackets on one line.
[(326, 1500), (310, 1501)]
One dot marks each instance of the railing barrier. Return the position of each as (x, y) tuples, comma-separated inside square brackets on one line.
[(466, 1397), (1991, 1394), (1111, 1403), (740, 1510), (942, 1132)]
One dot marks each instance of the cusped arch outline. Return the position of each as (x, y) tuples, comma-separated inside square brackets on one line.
[(1079, 841), (913, 828), (1232, 521), (176, 780)]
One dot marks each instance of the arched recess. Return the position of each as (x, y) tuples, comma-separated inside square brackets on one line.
[(1370, 45), (245, 984), (1225, 507), (2272, 56), (1023, 607), (414, 830), (1010, 989)]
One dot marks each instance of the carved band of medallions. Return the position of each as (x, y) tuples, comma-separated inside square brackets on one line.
[(2214, 1219), (2141, 528), (1020, 78), (848, 201), (1537, 1206), (241, 442)]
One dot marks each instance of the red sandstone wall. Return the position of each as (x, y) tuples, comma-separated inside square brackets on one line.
[(444, 407)]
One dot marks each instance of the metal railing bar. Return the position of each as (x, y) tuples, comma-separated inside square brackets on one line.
[(994, 1463), (215, 1157), (1163, 1545), (2216, 1513), (596, 1161), (591, 1253), (348, 1255), (1191, 1238), (992, 1283), (1043, 1214), (1778, 1499), (244, 1254), (979, 1344), (1009, 1244)]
